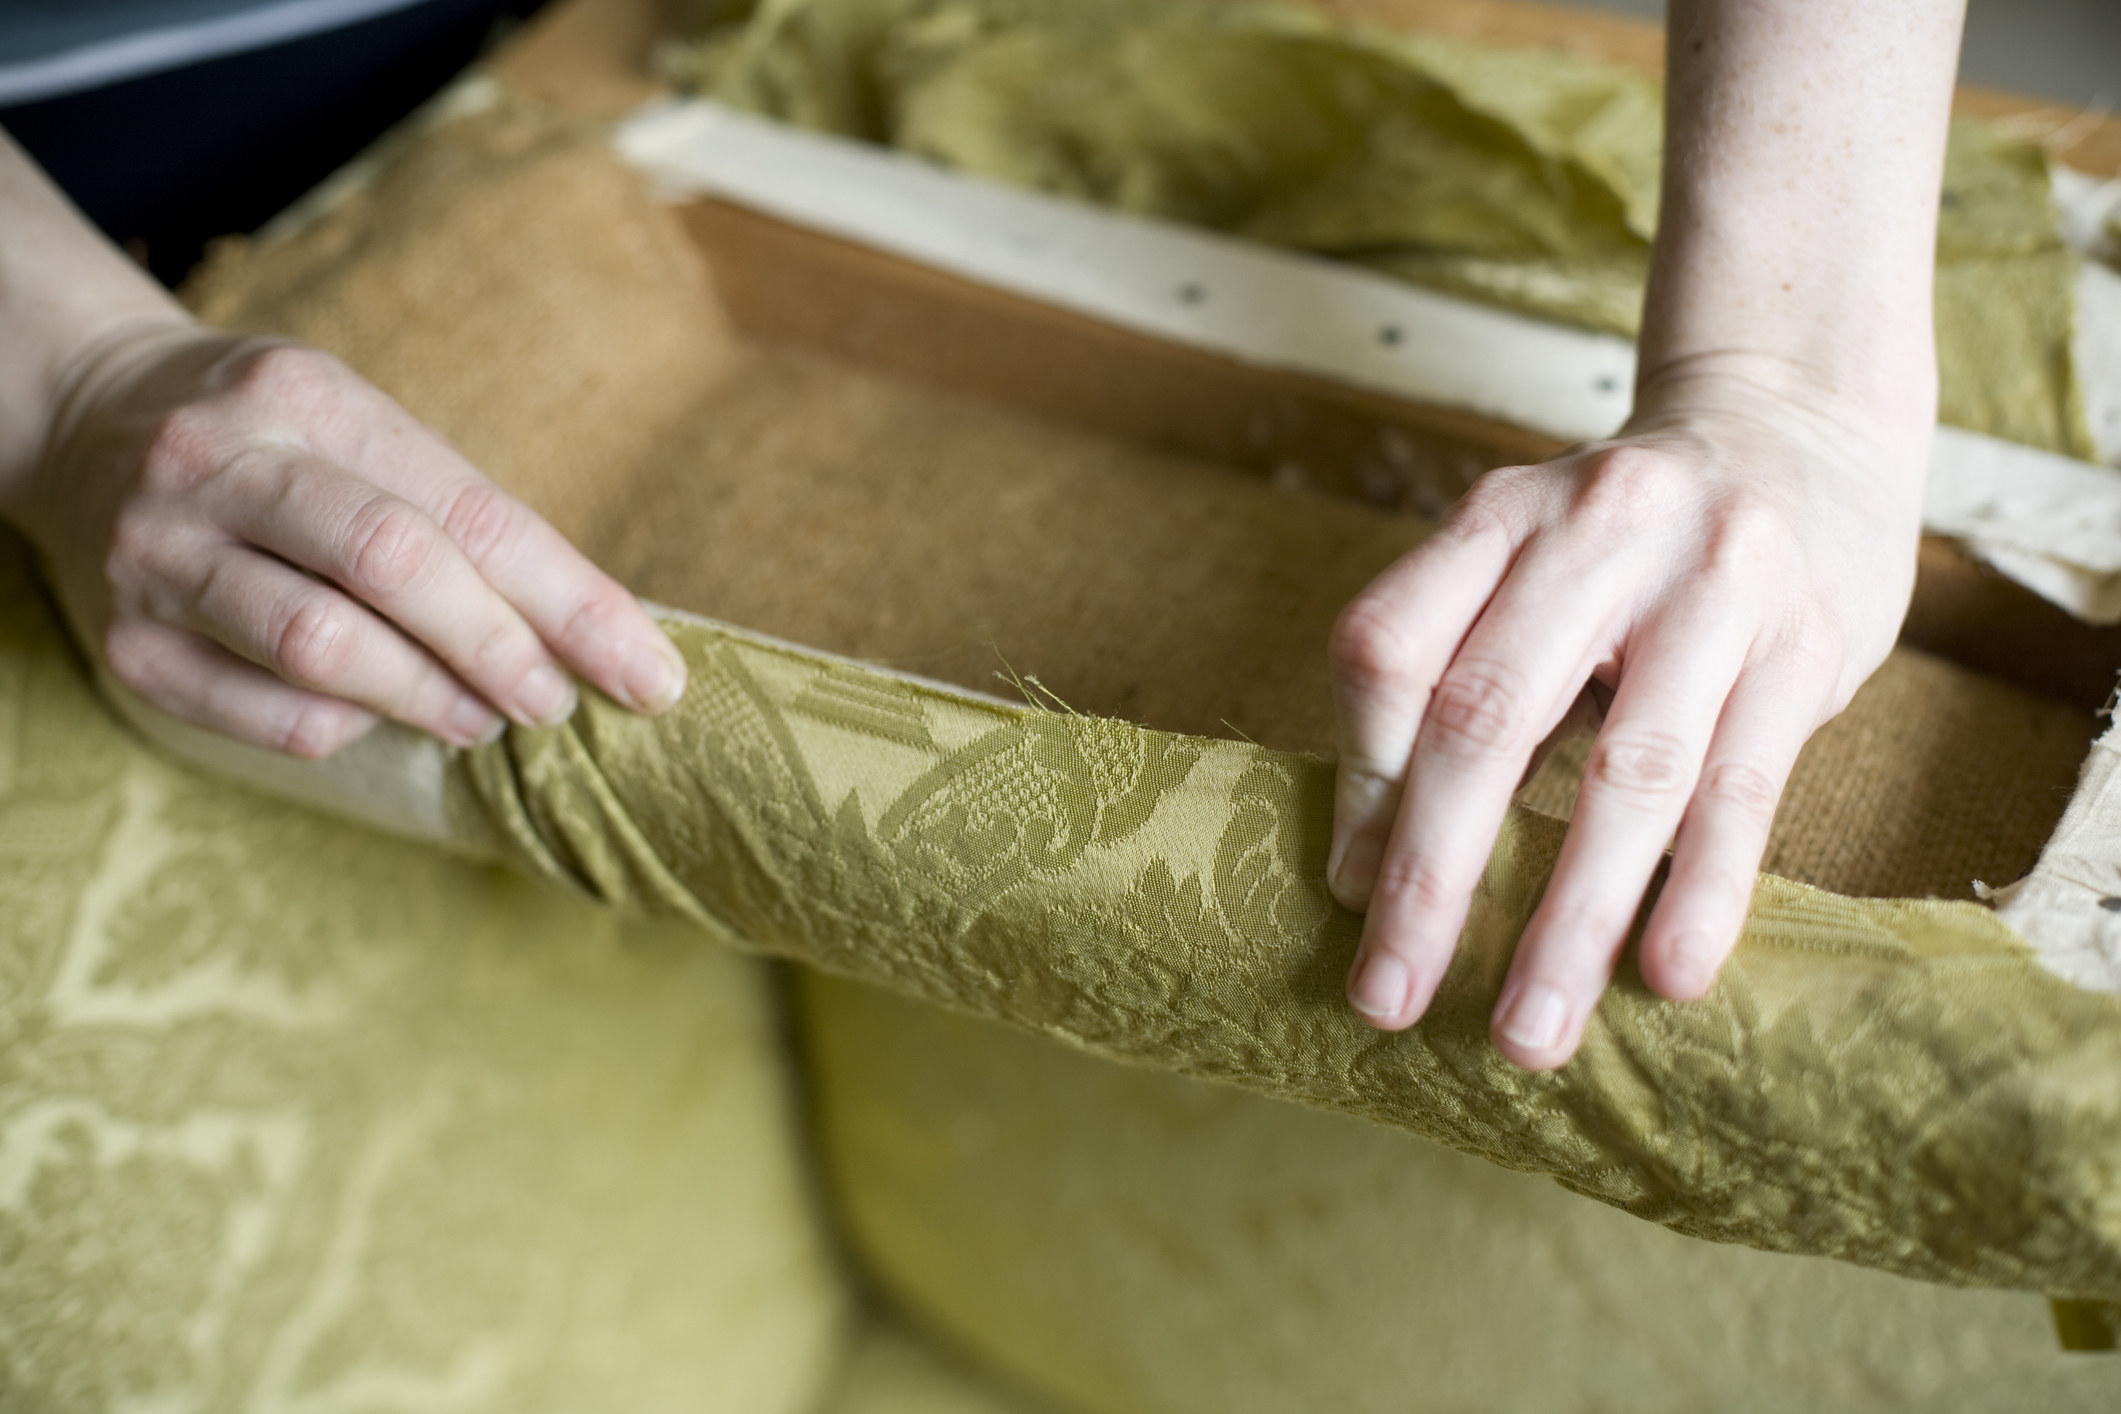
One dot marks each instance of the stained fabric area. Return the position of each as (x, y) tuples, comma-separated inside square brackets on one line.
[(168, 161)]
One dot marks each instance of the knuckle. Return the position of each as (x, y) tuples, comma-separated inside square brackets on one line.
[(1811, 647), (484, 521), (391, 546), (291, 375), (185, 445), (1623, 486), (597, 620), (1742, 787), (503, 652), (1747, 538), (134, 547), (317, 729), (139, 660), (1410, 880), (1367, 650), (1478, 708), (1491, 510), (315, 644), (1646, 765), (1587, 928)]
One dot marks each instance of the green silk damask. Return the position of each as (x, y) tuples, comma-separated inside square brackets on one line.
[(1525, 178), (1128, 1241), (1890, 1082), (298, 1117)]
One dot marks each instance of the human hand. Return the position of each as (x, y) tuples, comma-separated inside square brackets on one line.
[(259, 542), (1732, 565)]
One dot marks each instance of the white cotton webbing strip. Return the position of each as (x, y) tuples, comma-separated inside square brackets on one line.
[(2069, 907), (1178, 283), (393, 779), (2051, 522)]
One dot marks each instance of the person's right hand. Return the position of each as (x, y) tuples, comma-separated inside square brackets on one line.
[(258, 541), (1731, 566)]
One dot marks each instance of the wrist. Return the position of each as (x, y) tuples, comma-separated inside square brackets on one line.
[(1889, 420), (64, 292), (57, 368)]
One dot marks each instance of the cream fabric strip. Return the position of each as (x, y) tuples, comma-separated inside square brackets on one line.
[(391, 779), (2069, 907), (1176, 283), (2050, 522)]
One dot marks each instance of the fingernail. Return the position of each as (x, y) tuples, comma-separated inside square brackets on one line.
[(1355, 873), (546, 696), (1535, 1018), (1381, 987), (654, 677), (473, 723)]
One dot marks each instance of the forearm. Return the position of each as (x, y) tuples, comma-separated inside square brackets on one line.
[(63, 289), (1798, 232)]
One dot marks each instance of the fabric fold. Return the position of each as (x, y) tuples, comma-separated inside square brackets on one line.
[(1895, 1083)]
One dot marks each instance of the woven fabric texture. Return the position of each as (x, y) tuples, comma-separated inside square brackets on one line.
[(1135, 1242), (1528, 178), (295, 1116), (1891, 1082)]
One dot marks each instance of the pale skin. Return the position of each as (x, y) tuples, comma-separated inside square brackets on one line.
[(257, 541), (1731, 565)]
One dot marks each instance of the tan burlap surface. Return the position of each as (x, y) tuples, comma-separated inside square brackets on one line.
[(516, 288)]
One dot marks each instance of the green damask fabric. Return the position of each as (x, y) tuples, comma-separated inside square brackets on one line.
[(1128, 1241), (298, 1117), (1526, 178), (1891, 1082)]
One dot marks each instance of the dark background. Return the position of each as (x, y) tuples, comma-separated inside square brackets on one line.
[(167, 162), (2065, 49)]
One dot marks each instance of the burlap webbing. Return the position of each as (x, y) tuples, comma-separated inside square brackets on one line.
[(515, 287)]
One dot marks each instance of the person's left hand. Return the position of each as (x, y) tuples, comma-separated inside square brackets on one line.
[(257, 540)]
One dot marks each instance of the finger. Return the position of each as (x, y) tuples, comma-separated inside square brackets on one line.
[(1518, 672), (1637, 780), (1585, 716), (592, 623), (203, 683), (315, 637), (1388, 650), (385, 552), (1716, 860)]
